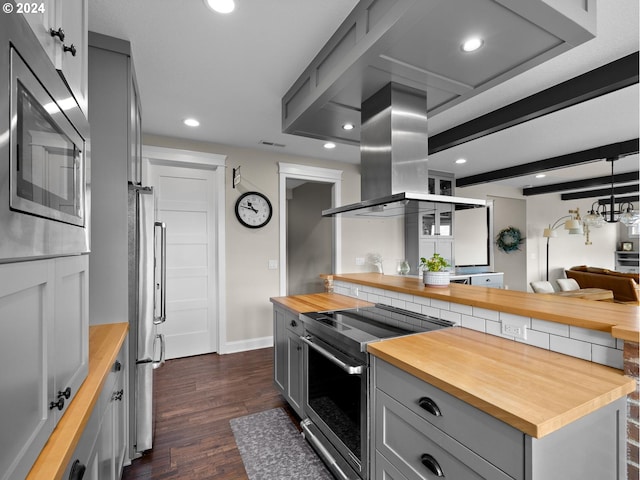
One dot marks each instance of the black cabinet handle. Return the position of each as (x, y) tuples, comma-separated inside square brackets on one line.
[(430, 406), (66, 394), (71, 49), (117, 366), (77, 470), (57, 33), (293, 323), (117, 395), (432, 464), (59, 404)]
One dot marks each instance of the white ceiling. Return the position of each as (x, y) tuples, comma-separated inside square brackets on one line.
[(231, 71)]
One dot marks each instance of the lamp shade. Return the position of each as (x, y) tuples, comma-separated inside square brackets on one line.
[(549, 233), (574, 226)]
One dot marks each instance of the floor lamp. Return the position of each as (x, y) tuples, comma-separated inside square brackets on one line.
[(572, 224)]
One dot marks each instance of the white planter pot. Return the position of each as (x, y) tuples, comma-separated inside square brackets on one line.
[(435, 279)]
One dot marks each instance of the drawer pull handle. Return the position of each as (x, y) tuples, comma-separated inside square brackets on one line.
[(430, 406), (432, 464), (59, 404), (66, 394), (293, 323), (77, 471)]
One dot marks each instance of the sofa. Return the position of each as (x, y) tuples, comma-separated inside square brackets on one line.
[(625, 286)]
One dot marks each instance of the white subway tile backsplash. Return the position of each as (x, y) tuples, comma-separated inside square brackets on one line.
[(474, 323), (485, 313), (607, 356), (440, 304), (517, 319), (396, 302), (431, 311), (569, 346), (578, 342), (537, 339), (450, 316), (592, 336), (464, 309), (493, 328), (550, 327)]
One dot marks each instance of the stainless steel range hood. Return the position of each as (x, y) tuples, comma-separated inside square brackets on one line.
[(393, 157)]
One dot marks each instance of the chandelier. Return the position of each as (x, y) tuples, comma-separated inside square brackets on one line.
[(612, 210)]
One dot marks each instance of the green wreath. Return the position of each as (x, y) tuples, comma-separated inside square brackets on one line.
[(509, 239)]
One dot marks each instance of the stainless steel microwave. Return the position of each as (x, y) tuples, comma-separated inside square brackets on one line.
[(44, 153)]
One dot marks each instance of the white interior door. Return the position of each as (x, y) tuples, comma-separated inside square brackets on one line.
[(185, 202)]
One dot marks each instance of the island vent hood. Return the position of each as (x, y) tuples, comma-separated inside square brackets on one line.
[(393, 158)]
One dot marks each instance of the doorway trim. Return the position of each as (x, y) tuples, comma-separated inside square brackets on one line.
[(205, 161), (315, 174)]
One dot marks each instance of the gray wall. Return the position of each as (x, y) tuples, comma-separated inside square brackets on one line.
[(510, 212)]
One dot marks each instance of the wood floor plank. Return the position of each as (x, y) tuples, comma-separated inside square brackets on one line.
[(195, 399)]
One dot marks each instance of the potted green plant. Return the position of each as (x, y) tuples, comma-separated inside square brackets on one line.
[(433, 271)]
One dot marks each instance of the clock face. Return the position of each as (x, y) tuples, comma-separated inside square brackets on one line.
[(253, 210)]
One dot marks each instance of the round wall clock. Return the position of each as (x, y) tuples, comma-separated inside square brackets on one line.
[(253, 210)]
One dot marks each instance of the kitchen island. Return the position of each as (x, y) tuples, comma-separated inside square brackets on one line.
[(537, 402)]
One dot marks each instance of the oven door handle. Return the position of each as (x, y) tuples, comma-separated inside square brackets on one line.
[(350, 369)]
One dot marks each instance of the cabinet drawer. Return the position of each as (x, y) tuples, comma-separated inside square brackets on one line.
[(487, 280), (410, 443), (294, 325), (111, 384), (385, 469), (490, 438)]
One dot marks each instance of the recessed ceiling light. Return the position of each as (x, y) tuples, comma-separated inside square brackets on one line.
[(472, 44), (329, 145), (460, 161), (540, 175), (220, 6), (348, 126), (192, 122)]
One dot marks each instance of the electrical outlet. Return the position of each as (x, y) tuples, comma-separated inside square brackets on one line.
[(355, 291), (517, 331), (273, 264), (359, 261)]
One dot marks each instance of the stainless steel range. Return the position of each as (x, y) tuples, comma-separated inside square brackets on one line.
[(336, 377)]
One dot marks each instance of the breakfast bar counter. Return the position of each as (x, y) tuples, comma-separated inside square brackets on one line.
[(621, 320)]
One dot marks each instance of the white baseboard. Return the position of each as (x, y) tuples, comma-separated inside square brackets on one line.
[(244, 345)]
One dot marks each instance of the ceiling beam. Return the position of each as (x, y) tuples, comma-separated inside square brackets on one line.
[(601, 191), (570, 159), (613, 76), (587, 182)]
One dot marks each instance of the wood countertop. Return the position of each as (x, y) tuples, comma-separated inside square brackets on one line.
[(104, 344), (621, 320), (535, 391), (318, 302)]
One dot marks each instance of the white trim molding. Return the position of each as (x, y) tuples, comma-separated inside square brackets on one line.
[(315, 174), (202, 160)]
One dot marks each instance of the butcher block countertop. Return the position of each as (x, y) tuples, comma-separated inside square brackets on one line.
[(621, 320), (104, 344), (535, 391), (318, 302)]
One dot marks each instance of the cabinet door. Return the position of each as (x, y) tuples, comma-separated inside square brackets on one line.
[(26, 306), (71, 328), (71, 57), (119, 412), (279, 349), (294, 370), (42, 21)]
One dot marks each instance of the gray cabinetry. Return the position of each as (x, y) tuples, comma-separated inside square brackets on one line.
[(68, 49), (43, 353), (287, 329), (422, 432), (115, 145), (100, 451)]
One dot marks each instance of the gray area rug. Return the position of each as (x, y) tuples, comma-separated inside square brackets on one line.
[(273, 449)]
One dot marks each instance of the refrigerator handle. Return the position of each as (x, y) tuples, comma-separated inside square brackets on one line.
[(158, 319), (160, 362)]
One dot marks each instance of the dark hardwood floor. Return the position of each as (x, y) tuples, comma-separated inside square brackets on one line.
[(195, 399)]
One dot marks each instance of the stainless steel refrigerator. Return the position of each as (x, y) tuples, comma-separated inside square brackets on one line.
[(147, 310)]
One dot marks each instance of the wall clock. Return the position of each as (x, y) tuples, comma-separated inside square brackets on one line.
[(253, 209)]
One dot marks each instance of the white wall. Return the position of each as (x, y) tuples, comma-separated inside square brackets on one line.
[(249, 283)]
